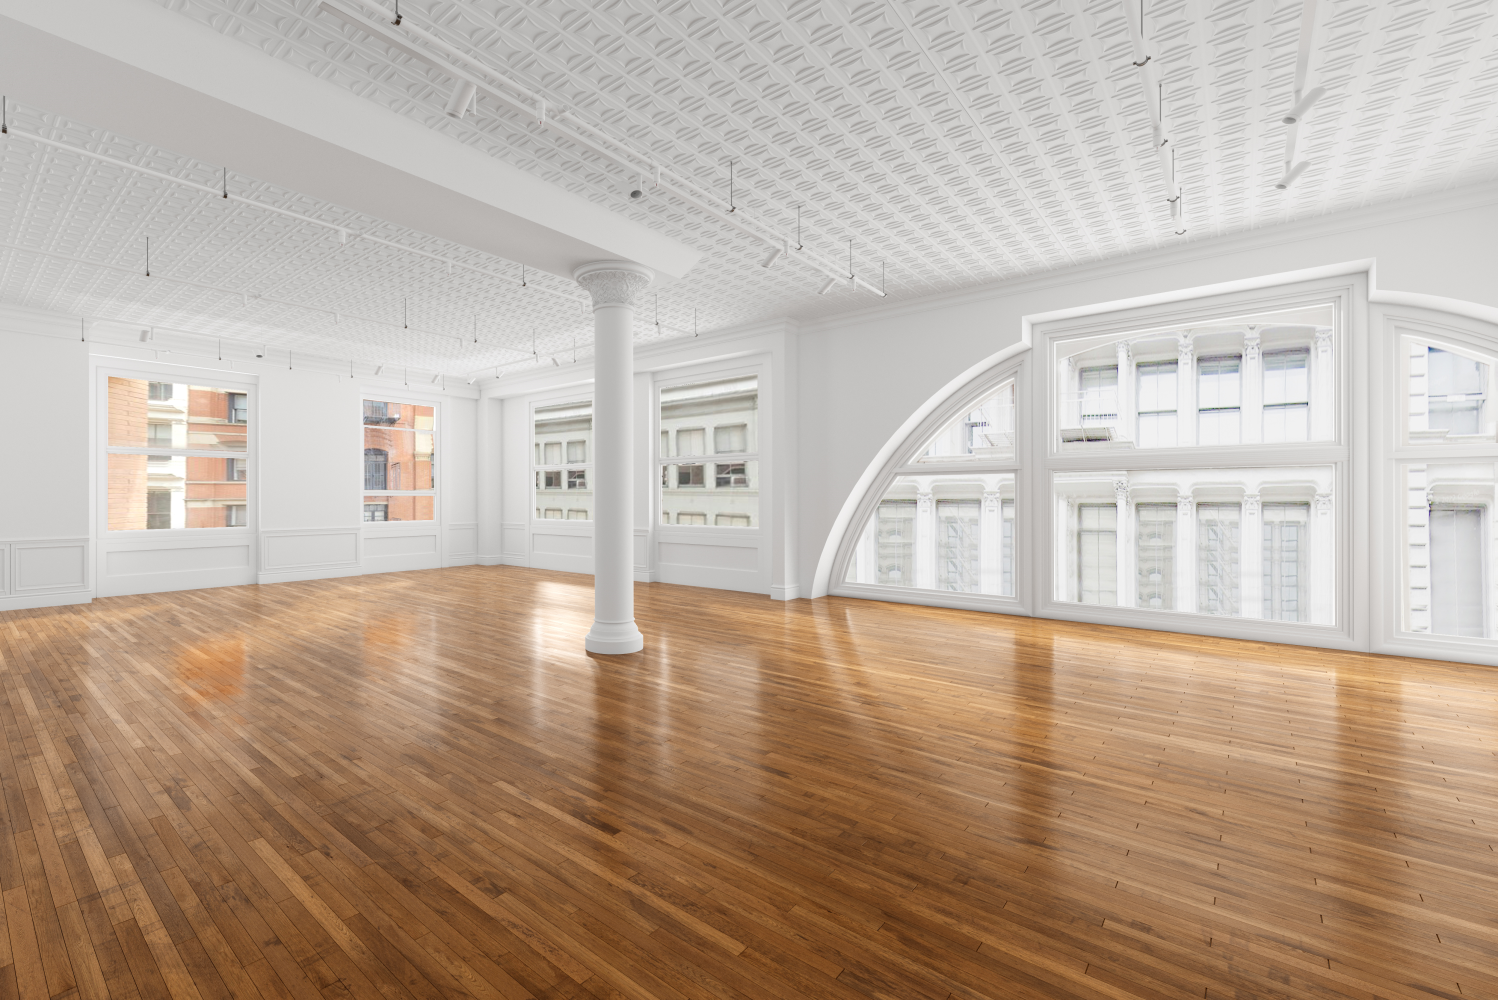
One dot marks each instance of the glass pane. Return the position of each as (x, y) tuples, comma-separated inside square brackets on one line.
[(1244, 542), (1446, 547), (985, 432), (397, 459), (720, 417), (1285, 561), (148, 414), (380, 413), (1219, 580), (563, 434), (173, 491), (1138, 375), (1288, 422), (950, 533), (397, 508), (1157, 555), (1447, 394), (714, 490)]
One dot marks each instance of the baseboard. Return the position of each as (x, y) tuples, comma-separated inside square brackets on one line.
[(789, 592), (46, 600), (297, 576), (490, 560), (514, 561), (644, 576), (466, 559)]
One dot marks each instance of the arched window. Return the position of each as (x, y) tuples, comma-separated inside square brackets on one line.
[(941, 519), (376, 469)]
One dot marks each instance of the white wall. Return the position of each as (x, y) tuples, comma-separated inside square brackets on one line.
[(44, 490), (863, 377), (305, 473)]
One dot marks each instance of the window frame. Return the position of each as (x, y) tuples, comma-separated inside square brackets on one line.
[(911, 460), (184, 376), (1345, 454), (542, 498), (377, 394), (709, 461)]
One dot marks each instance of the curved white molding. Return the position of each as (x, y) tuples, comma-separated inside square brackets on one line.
[(886, 455)]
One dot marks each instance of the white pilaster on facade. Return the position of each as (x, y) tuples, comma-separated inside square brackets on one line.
[(1323, 551), (991, 539), (1419, 402), (1186, 397), (613, 285), (1128, 548), (1185, 554), (1417, 525), (1251, 555), (1323, 388), (1251, 398), (1124, 430), (925, 537)]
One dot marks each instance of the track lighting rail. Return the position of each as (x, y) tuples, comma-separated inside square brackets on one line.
[(505, 91)]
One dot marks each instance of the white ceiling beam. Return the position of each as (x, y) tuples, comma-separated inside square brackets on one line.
[(157, 76)]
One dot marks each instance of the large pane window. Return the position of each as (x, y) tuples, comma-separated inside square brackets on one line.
[(400, 470), (1236, 542), (952, 508), (562, 443), (1448, 548), (176, 456), (1259, 378), (700, 423), (950, 532)]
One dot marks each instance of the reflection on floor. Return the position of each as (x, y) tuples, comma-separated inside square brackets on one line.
[(418, 785)]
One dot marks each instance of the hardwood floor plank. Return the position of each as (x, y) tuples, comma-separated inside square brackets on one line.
[(418, 787)]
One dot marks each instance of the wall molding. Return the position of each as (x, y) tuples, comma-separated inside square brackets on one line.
[(45, 572), (331, 552)]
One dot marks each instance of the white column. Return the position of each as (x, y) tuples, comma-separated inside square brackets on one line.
[(1128, 587), (1251, 381), (1251, 557), (1186, 398), (1124, 430), (925, 538), (1323, 387), (1185, 582), (613, 285), (1323, 566), (991, 539)]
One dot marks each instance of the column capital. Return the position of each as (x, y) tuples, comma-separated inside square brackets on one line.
[(613, 282), (1251, 504), (1186, 506), (1323, 504), (1251, 344)]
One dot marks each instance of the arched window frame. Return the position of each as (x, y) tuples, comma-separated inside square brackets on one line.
[(1395, 326), (905, 461)]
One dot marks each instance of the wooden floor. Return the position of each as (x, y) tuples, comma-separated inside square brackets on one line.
[(417, 786)]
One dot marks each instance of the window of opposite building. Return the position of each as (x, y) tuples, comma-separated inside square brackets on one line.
[(562, 460), (400, 461), (176, 455), (699, 422)]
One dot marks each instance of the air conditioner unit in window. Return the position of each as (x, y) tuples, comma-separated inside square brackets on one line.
[(1087, 434)]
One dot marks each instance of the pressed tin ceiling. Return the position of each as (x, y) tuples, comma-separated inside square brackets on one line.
[(952, 143)]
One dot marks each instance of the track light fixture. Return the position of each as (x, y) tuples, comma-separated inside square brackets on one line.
[(827, 286), (1310, 97), (461, 100), (1291, 174), (436, 377), (145, 336), (772, 257), (379, 370)]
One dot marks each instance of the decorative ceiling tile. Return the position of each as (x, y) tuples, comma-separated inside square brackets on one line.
[(941, 144)]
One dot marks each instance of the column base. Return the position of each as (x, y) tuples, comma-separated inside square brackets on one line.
[(611, 638)]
